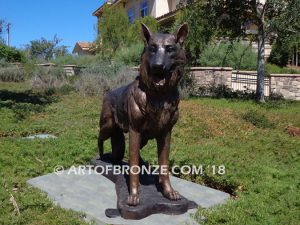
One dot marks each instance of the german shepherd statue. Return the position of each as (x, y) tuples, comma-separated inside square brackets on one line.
[(147, 108)]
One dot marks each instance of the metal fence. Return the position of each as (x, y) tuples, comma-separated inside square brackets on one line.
[(246, 81)]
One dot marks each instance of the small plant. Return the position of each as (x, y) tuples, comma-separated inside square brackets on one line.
[(257, 119)]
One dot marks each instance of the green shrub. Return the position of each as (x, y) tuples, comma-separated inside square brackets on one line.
[(223, 91), (187, 85), (91, 83), (257, 119), (104, 68), (29, 67), (202, 31), (12, 74), (80, 60), (134, 31), (113, 27), (281, 51), (3, 63), (131, 55), (236, 55), (11, 54), (65, 60)]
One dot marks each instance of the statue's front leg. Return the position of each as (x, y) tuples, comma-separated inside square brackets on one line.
[(163, 150), (134, 146)]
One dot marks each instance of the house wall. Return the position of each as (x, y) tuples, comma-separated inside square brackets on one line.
[(161, 7), (135, 5), (156, 8)]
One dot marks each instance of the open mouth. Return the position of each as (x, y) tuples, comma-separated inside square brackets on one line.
[(159, 80)]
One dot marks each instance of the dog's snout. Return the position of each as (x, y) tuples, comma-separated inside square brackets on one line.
[(158, 66)]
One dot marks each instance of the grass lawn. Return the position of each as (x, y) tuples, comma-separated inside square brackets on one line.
[(262, 161)]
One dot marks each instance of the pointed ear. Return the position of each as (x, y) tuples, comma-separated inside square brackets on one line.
[(182, 33), (146, 33)]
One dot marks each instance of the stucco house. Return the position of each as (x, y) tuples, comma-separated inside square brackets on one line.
[(82, 48), (163, 10)]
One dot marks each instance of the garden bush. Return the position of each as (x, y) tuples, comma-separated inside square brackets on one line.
[(187, 84), (223, 91), (130, 55), (236, 55), (95, 81), (80, 60), (49, 79), (134, 31), (11, 54), (3, 63), (12, 74)]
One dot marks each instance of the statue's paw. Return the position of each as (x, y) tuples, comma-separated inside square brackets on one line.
[(133, 200), (172, 195)]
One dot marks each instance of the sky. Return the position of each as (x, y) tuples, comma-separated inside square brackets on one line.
[(70, 20)]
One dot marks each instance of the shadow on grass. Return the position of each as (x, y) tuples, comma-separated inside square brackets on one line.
[(26, 102), (26, 97)]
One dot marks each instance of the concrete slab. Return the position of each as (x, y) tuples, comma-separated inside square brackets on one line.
[(92, 194)]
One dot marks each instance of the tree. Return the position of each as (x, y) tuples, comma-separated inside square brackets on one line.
[(113, 26), (283, 48), (270, 16), (202, 31), (134, 31), (10, 54), (46, 49)]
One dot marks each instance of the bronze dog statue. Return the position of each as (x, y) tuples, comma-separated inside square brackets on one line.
[(147, 108)]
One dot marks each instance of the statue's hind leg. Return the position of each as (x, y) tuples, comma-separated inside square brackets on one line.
[(107, 125), (118, 145)]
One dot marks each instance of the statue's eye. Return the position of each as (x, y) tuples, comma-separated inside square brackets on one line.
[(152, 48), (170, 48)]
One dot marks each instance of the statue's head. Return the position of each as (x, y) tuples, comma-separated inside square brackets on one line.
[(163, 58)]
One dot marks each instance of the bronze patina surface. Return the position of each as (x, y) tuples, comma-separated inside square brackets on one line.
[(147, 108), (151, 199)]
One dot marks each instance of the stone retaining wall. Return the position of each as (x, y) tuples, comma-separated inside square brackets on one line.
[(70, 70), (286, 84), (212, 76)]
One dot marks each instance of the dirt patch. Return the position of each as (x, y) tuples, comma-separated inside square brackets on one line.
[(293, 131)]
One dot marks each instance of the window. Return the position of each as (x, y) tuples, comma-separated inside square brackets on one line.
[(144, 8), (130, 14)]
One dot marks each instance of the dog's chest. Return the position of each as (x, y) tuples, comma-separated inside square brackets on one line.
[(160, 115)]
